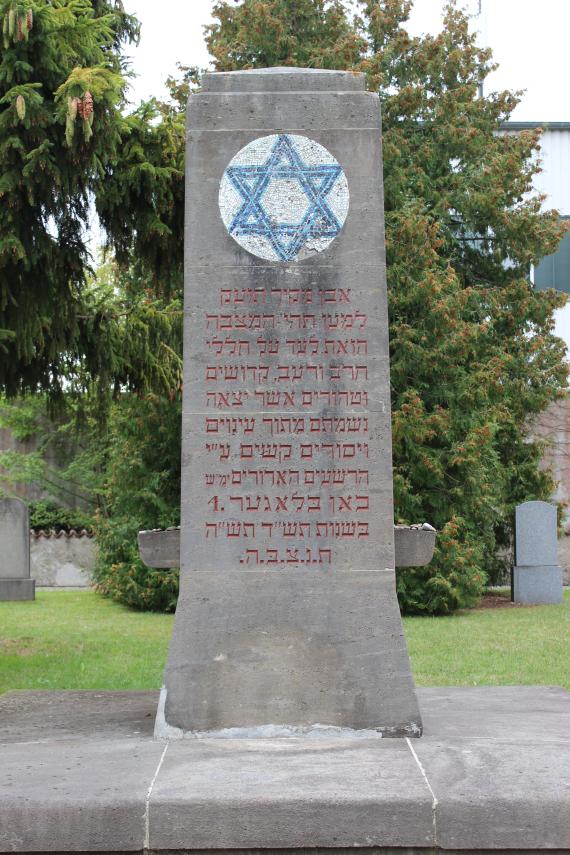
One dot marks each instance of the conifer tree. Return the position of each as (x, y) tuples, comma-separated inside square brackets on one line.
[(62, 87)]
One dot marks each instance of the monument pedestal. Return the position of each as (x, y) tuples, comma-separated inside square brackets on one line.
[(17, 589), (80, 772), (290, 649)]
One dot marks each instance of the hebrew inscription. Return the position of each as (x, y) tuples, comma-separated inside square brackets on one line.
[(286, 425)]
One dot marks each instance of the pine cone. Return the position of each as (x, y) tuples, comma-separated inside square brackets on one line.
[(22, 31), (30, 18), (21, 107), (12, 22), (87, 105), (79, 107)]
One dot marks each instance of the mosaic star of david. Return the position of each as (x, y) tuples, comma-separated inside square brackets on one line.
[(284, 197)]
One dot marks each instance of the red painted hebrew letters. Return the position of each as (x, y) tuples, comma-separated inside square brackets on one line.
[(286, 425)]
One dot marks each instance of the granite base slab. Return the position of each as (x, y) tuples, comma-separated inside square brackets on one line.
[(80, 772)]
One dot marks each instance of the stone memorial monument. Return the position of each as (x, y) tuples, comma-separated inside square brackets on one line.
[(287, 614), (537, 576), (15, 581), (287, 619)]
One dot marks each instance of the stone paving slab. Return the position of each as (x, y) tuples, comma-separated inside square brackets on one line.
[(28, 716), (80, 772), (244, 793), (494, 793), (75, 796), (517, 713)]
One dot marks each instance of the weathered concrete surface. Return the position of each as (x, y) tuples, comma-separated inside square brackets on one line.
[(564, 556), (258, 793), (29, 717), (329, 634), (16, 590), (498, 760), (537, 577), (79, 796), (14, 539), (513, 713), (15, 582), (491, 774), (160, 548), (276, 79), (414, 547), (481, 798), (60, 560)]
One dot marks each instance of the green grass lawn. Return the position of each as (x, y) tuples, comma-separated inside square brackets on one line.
[(493, 647), (78, 640)]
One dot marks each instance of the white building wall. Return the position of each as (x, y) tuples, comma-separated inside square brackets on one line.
[(554, 180)]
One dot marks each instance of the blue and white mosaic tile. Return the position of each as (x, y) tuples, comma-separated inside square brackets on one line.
[(284, 197)]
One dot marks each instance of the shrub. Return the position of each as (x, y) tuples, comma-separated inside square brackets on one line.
[(142, 491), (46, 514)]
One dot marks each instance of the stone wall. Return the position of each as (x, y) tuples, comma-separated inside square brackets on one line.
[(61, 559)]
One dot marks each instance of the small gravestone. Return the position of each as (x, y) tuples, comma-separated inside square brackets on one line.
[(537, 577), (15, 581)]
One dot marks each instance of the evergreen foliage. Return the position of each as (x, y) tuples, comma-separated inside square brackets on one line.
[(68, 52), (141, 202), (61, 459), (113, 478), (473, 355), (46, 515), (142, 492)]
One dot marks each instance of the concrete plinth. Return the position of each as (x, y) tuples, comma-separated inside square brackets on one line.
[(13, 590), (80, 772), (322, 632)]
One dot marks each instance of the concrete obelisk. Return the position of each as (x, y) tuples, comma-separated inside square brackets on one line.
[(287, 613)]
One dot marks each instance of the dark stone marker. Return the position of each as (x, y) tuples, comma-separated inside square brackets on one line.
[(287, 612), (15, 581)]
